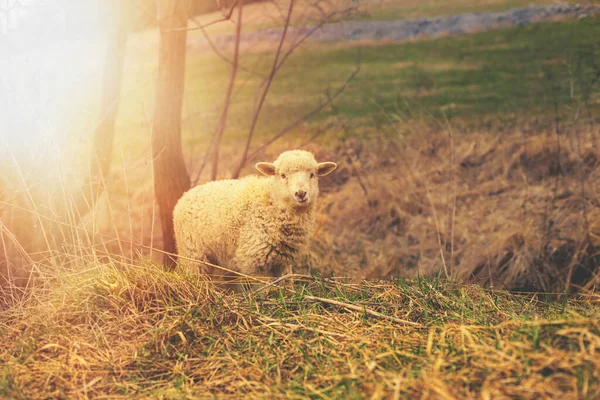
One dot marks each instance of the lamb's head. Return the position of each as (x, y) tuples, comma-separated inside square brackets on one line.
[(295, 176)]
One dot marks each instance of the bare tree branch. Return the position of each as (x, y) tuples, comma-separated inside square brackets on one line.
[(297, 43), (311, 31), (226, 17), (274, 69), (277, 64), (226, 103), (318, 133), (281, 56), (306, 116), (222, 56)]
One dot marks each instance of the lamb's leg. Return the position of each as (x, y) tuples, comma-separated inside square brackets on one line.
[(251, 259)]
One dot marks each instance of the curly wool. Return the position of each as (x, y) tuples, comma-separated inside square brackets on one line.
[(248, 225)]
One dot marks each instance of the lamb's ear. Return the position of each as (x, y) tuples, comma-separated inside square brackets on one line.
[(266, 168), (325, 168)]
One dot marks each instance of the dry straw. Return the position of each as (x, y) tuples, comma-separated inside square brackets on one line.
[(123, 332), (86, 315), (512, 210)]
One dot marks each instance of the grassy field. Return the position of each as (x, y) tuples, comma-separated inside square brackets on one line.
[(390, 9), (141, 332), (457, 184), (489, 75), (260, 15)]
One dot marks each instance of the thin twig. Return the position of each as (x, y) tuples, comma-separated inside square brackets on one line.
[(362, 309), (437, 228), (223, 57), (300, 327), (226, 17), (305, 116), (234, 68), (265, 91), (318, 133), (297, 43), (276, 281), (308, 34), (548, 221)]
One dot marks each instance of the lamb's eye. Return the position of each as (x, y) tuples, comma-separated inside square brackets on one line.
[(283, 176), (312, 175)]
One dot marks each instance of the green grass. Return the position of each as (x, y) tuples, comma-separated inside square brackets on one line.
[(391, 10), (141, 332), (487, 74), (123, 330), (492, 73), (482, 76), (264, 15)]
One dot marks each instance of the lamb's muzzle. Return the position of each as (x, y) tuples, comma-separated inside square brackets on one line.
[(300, 196)]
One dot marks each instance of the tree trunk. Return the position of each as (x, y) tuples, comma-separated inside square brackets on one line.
[(171, 178)]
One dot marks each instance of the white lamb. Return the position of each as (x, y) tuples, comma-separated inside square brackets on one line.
[(256, 225)]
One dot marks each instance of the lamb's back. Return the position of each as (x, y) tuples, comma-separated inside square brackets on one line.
[(208, 218)]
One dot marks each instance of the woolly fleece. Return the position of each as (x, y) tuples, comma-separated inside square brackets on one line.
[(252, 225)]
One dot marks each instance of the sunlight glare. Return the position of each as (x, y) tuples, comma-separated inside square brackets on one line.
[(50, 69)]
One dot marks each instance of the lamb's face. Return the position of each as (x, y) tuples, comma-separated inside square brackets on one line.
[(295, 174)]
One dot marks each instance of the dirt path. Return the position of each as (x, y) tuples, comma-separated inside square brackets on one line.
[(424, 27)]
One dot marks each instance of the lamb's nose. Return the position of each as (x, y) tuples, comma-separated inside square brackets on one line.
[(301, 194)]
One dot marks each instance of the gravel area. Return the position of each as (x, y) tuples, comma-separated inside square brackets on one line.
[(424, 27)]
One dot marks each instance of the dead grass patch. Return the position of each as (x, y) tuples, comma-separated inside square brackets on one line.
[(516, 210), (136, 332), (501, 207), (513, 209)]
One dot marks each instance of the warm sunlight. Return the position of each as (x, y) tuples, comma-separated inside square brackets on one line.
[(53, 54), (292, 199)]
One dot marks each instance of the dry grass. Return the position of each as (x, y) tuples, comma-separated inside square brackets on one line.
[(510, 209), (84, 311), (517, 210), (118, 331)]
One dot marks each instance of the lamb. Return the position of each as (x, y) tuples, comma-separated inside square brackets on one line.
[(255, 225)]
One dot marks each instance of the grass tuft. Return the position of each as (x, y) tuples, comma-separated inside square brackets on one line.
[(143, 332)]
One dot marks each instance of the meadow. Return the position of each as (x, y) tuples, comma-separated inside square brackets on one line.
[(456, 254), (142, 332), (500, 73)]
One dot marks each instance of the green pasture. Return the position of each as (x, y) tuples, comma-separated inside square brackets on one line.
[(525, 71)]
